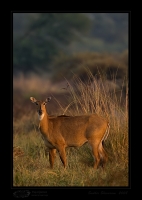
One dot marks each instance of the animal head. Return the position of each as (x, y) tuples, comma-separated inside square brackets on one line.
[(41, 109)]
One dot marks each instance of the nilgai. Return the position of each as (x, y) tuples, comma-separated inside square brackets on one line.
[(73, 131)]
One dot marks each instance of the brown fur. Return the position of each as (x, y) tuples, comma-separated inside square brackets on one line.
[(67, 131)]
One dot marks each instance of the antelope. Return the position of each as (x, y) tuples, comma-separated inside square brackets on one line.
[(72, 131)]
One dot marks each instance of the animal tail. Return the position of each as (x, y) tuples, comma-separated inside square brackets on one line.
[(106, 134), (102, 152)]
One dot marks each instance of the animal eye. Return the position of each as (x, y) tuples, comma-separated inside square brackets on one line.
[(36, 103)]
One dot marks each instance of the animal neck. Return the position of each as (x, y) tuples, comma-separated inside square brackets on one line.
[(43, 122)]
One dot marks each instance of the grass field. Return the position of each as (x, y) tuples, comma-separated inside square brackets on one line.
[(31, 165)]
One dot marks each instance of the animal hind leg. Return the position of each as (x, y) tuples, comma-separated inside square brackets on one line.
[(95, 153)]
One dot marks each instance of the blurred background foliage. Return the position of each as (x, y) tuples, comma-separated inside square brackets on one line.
[(60, 44), (41, 36)]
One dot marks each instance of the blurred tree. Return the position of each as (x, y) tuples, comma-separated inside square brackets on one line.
[(113, 26), (44, 35)]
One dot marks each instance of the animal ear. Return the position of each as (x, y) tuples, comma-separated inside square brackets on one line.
[(33, 100), (47, 100)]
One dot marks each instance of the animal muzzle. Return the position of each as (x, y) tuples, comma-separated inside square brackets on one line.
[(40, 112)]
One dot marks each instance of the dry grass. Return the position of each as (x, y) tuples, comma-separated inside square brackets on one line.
[(31, 166), (33, 169)]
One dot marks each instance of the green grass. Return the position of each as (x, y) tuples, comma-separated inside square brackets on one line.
[(32, 168)]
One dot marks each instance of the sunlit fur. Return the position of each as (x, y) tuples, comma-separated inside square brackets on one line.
[(40, 116), (61, 132)]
